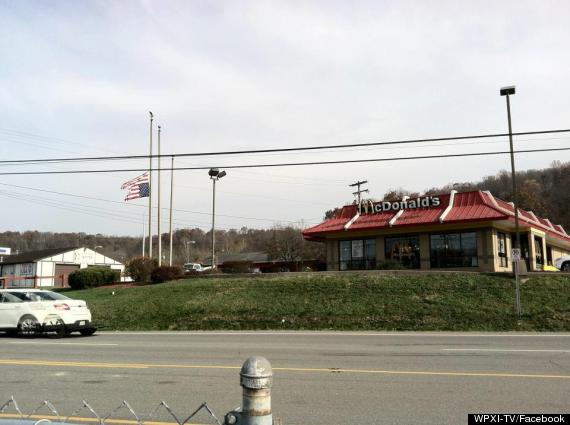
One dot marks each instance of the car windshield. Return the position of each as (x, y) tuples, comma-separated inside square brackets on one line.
[(39, 296)]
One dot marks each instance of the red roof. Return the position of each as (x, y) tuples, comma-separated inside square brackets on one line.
[(475, 206)]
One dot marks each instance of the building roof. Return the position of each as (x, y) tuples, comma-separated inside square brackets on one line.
[(255, 257), (31, 256), (474, 206), (243, 257)]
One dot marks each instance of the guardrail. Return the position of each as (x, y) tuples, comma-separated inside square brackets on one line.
[(256, 380)]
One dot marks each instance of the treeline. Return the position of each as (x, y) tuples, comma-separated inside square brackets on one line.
[(194, 245), (546, 192)]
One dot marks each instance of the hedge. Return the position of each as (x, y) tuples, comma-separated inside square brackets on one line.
[(92, 277)]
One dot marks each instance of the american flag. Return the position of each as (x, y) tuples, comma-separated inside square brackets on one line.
[(137, 187)]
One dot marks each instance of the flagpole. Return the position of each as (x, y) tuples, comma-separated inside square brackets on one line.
[(150, 192), (171, 191), (158, 216), (144, 237)]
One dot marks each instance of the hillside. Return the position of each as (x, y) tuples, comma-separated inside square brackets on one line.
[(350, 301), (543, 191), (281, 243)]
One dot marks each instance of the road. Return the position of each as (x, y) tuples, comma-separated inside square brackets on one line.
[(320, 377)]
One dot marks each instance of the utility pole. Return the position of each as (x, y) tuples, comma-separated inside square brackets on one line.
[(359, 191)]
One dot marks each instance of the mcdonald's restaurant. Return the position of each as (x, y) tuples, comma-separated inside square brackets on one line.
[(471, 231)]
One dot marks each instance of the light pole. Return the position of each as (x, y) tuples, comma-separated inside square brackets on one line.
[(215, 175), (507, 92), (158, 211), (150, 189), (187, 243)]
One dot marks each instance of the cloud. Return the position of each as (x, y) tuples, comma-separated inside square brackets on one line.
[(233, 75)]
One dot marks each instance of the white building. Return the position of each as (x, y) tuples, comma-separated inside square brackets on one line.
[(50, 267)]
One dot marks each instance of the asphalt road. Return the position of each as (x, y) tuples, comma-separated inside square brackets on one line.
[(320, 377)]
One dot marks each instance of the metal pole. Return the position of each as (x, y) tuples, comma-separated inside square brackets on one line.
[(144, 237), (158, 213), (150, 192), (256, 380), (213, 221), (515, 196), (515, 206), (171, 192)]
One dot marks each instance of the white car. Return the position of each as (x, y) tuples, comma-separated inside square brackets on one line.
[(195, 268), (563, 263), (29, 312)]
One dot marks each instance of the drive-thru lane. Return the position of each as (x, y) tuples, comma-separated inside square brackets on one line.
[(320, 377)]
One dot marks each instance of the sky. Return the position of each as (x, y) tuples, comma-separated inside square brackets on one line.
[(77, 79)]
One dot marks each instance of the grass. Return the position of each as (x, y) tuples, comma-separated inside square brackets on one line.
[(339, 302)]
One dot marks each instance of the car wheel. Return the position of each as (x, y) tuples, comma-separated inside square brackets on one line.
[(87, 332), (28, 326), (61, 330), (566, 267)]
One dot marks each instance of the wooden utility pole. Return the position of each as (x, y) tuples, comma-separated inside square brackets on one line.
[(359, 191)]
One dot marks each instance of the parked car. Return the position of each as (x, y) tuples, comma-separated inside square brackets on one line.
[(29, 312), (195, 268), (563, 263)]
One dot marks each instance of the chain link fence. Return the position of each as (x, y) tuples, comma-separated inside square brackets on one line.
[(256, 380), (47, 410)]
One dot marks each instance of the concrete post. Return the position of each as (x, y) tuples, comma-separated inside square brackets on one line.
[(256, 379)]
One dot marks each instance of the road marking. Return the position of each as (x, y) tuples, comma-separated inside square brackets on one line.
[(282, 369), (72, 364), (506, 350), (338, 333), (83, 419), (64, 343)]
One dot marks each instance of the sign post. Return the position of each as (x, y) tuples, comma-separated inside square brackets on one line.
[(516, 256)]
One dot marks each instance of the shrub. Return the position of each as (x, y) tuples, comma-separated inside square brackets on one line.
[(140, 268), (166, 273), (232, 268), (92, 277)]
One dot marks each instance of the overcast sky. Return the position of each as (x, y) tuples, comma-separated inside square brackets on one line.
[(77, 78)]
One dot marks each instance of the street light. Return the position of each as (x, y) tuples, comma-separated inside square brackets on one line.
[(187, 244), (507, 92), (215, 175)]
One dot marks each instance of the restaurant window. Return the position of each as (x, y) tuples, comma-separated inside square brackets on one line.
[(404, 250), (358, 254), (453, 250), (502, 248), (539, 255), (549, 255)]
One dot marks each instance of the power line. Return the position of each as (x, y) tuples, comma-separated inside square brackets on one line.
[(95, 211), (254, 151), (142, 206), (289, 164)]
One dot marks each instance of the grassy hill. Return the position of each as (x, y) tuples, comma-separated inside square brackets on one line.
[(339, 302)]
